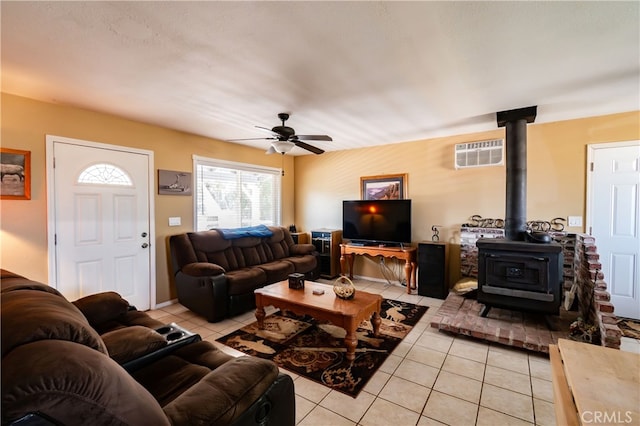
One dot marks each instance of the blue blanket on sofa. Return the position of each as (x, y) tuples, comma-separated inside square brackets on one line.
[(247, 231)]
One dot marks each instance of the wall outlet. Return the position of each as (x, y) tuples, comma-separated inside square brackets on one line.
[(175, 221), (574, 220)]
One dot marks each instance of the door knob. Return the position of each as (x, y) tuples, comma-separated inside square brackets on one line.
[(145, 245)]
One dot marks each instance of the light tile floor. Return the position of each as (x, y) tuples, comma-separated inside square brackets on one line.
[(430, 379)]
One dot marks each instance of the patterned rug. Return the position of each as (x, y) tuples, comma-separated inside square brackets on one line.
[(315, 349), (630, 327)]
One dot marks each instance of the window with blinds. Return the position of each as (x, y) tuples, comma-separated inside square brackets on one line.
[(232, 195)]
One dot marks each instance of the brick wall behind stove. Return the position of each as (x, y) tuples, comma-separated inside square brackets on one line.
[(468, 249), (594, 300), (568, 243)]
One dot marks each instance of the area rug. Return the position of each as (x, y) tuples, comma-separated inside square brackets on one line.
[(629, 327), (315, 349)]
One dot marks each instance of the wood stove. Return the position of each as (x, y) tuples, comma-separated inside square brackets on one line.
[(519, 275), (524, 270)]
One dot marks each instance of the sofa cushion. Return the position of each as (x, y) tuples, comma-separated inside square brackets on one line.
[(203, 353), (102, 307), (301, 249), (32, 315), (278, 244), (249, 251), (242, 281), (129, 343), (170, 376), (182, 250), (251, 378), (74, 385), (302, 264), (277, 270), (205, 243), (129, 318)]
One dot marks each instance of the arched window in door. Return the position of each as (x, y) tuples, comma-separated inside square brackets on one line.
[(105, 174)]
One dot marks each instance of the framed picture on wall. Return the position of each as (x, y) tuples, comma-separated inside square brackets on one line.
[(174, 183), (384, 187), (15, 174)]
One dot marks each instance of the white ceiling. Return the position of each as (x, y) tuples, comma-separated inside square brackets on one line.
[(366, 73)]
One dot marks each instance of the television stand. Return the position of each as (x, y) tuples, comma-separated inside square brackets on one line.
[(407, 253)]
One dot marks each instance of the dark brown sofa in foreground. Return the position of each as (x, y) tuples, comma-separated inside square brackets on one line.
[(217, 271), (99, 361)]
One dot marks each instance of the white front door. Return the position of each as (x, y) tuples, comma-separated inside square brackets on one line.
[(102, 232), (614, 221)]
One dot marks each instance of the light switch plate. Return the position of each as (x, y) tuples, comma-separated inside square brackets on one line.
[(574, 220), (175, 221)]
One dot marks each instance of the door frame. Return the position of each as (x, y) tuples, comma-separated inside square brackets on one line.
[(51, 215), (591, 149)]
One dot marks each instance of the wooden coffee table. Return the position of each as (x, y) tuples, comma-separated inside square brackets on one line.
[(347, 314)]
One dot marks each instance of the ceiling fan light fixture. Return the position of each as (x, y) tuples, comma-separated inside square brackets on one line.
[(284, 138), (283, 147)]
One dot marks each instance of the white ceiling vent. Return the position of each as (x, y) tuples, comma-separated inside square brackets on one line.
[(479, 154)]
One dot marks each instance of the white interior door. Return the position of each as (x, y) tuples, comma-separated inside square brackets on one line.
[(614, 220), (102, 221)]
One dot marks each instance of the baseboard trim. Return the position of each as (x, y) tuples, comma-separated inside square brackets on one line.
[(165, 304)]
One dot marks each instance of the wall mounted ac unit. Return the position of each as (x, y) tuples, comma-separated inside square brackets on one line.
[(479, 154)]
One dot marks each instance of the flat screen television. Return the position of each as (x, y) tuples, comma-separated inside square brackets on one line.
[(374, 222)]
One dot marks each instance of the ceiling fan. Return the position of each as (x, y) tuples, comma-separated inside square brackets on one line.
[(284, 138)]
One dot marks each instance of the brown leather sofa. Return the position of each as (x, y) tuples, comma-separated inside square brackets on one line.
[(64, 363), (215, 275)]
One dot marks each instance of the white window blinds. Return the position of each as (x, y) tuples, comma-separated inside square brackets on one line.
[(231, 195)]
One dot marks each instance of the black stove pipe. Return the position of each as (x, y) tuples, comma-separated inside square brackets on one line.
[(515, 123)]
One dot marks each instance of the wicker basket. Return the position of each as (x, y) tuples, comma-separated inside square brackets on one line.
[(343, 287)]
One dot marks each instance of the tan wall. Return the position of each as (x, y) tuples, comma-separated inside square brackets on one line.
[(556, 183), (441, 195), (24, 125)]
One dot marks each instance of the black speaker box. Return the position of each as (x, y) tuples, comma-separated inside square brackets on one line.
[(432, 277)]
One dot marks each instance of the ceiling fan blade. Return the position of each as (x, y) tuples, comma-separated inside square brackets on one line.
[(268, 130), (308, 147), (251, 139), (315, 138)]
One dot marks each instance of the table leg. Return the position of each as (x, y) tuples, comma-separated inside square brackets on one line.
[(375, 322), (351, 340), (260, 314), (350, 258)]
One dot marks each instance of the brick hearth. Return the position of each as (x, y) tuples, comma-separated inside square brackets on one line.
[(512, 328)]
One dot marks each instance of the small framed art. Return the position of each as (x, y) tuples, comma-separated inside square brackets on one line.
[(174, 183), (15, 174)]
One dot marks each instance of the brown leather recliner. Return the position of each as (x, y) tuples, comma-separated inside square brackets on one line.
[(57, 368)]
